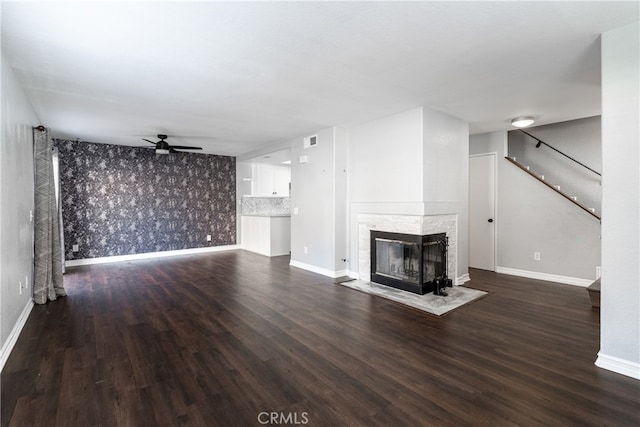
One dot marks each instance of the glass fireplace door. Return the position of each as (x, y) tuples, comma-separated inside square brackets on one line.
[(398, 260), (413, 263)]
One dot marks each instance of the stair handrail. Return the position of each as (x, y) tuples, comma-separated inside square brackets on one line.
[(556, 189), (558, 151)]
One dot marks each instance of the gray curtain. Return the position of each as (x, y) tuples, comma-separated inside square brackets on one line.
[(56, 179), (48, 282)]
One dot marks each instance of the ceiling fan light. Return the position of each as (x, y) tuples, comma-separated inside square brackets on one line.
[(522, 122), (162, 151)]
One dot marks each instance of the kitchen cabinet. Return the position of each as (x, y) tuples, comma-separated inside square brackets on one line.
[(270, 180), (266, 235)]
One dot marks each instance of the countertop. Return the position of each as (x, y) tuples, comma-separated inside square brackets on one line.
[(268, 216), (268, 196)]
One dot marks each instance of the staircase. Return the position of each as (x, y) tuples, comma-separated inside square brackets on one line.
[(556, 188), (594, 293), (589, 174)]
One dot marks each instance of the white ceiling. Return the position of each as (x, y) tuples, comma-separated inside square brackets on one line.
[(237, 76)]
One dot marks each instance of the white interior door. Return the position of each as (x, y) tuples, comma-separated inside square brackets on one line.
[(482, 201)]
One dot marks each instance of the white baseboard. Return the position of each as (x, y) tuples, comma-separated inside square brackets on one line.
[(15, 333), (463, 279), (264, 253), (148, 255), (619, 366), (545, 276), (319, 270), (341, 273)]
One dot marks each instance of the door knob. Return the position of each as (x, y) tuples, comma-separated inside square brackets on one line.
[(490, 219)]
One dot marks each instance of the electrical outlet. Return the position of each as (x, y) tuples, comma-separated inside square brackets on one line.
[(306, 250), (75, 248), (26, 281), (536, 256), (20, 288), (208, 237)]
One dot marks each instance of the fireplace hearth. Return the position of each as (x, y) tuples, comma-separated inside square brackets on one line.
[(414, 263)]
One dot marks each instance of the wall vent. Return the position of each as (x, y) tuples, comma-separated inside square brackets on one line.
[(311, 141)]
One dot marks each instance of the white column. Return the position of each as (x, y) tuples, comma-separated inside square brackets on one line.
[(620, 294)]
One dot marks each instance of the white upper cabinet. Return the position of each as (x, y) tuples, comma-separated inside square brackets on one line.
[(270, 180)]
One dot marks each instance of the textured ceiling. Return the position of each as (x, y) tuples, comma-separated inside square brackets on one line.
[(236, 76)]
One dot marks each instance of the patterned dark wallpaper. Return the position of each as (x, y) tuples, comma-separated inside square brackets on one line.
[(122, 200)]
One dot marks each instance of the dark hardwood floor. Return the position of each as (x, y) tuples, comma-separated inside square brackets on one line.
[(225, 339)]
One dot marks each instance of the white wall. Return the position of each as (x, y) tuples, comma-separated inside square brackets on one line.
[(385, 159), (494, 142), (340, 196), (532, 218), (620, 297), (317, 196), (16, 203), (445, 151)]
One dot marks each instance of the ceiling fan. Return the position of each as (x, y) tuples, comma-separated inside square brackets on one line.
[(163, 147)]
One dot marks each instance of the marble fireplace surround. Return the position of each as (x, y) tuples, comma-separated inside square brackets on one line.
[(409, 224)]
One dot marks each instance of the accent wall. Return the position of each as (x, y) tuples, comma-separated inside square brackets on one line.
[(119, 200)]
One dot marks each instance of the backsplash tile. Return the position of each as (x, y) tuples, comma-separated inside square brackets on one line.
[(265, 206)]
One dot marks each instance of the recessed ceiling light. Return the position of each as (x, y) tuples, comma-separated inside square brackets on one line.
[(522, 122)]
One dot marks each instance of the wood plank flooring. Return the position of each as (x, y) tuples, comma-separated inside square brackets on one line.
[(226, 339)]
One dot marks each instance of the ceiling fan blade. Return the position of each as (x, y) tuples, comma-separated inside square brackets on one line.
[(184, 147), (144, 139)]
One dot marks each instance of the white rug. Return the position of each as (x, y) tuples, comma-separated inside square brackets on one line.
[(434, 304)]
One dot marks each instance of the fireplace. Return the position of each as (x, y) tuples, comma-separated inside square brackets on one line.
[(414, 263)]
